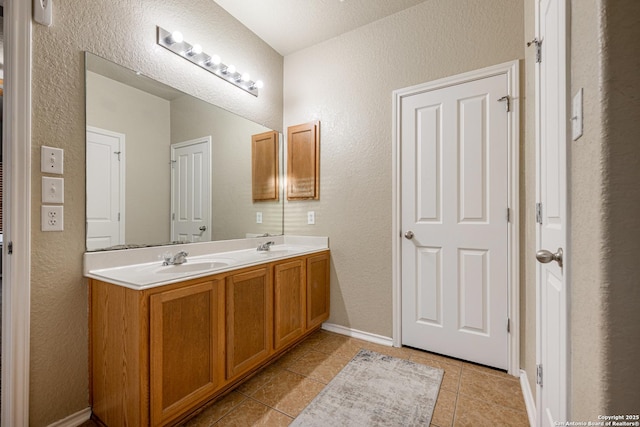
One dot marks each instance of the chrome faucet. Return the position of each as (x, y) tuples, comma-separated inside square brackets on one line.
[(265, 246), (177, 259)]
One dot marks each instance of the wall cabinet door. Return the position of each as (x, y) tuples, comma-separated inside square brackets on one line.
[(249, 307), (318, 270), (186, 353), (289, 303)]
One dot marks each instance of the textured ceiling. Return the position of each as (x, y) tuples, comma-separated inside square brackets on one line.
[(291, 25)]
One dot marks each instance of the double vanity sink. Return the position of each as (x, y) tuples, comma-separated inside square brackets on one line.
[(167, 339), (133, 269)]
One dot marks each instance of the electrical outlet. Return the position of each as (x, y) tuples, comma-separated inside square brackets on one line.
[(52, 218), (258, 217), (311, 217), (52, 190), (51, 160)]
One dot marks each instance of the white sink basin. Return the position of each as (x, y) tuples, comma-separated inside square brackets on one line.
[(191, 267)]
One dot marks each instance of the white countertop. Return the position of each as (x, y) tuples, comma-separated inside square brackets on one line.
[(142, 268)]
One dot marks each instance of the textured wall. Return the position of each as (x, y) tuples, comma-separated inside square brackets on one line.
[(122, 31), (347, 84), (621, 227), (587, 383)]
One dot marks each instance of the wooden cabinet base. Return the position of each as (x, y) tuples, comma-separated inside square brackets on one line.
[(158, 355)]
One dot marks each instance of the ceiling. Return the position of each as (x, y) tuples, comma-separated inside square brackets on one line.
[(291, 25)]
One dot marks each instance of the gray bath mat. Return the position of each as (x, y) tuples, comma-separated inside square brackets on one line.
[(375, 390)]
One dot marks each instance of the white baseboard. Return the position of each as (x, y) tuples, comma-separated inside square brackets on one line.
[(74, 420), (354, 333), (529, 401)]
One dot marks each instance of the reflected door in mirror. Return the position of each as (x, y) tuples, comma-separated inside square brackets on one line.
[(105, 188)]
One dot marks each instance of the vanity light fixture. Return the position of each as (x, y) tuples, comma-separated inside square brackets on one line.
[(174, 41)]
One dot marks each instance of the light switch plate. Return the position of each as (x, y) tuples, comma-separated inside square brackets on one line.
[(311, 217), (576, 116), (51, 160), (258, 217), (52, 190)]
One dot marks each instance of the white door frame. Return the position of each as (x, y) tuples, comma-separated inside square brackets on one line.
[(564, 70), (511, 69), (123, 166), (16, 293)]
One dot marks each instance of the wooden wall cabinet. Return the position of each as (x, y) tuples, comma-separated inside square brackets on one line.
[(264, 166), (303, 161), (157, 355)]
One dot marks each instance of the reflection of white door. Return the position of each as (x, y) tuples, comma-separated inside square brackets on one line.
[(455, 193), (191, 190), (551, 139), (105, 188)]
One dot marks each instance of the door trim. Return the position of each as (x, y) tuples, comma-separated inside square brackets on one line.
[(511, 69), (565, 72), (16, 309)]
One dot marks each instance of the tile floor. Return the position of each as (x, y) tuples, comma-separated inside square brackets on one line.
[(470, 395)]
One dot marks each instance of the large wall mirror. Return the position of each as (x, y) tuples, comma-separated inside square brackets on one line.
[(166, 167)]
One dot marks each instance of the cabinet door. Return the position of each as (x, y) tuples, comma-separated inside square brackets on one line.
[(186, 330), (289, 302), (249, 320), (317, 290)]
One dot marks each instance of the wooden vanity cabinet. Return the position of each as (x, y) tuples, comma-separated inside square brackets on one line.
[(318, 297), (157, 355), (249, 320), (289, 301), (186, 349)]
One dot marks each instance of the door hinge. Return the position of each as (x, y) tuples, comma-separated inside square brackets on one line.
[(118, 216), (506, 99), (10, 248), (508, 325), (508, 215), (539, 375), (173, 217), (118, 154), (538, 44), (539, 213)]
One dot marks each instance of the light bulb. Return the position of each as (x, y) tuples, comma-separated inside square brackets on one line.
[(196, 49), (231, 69), (259, 84), (246, 77), (215, 60), (175, 37)]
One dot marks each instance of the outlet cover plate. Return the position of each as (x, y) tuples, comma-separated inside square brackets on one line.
[(311, 217), (52, 218)]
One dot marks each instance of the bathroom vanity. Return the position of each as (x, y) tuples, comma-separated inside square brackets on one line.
[(164, 340)]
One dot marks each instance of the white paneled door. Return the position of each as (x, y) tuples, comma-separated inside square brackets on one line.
[(105, 188), (551, 140), (191, 190), (454, 219)]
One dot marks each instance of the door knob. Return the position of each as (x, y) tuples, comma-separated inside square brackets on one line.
[(544, 256), (203, 228), (409, 234)]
